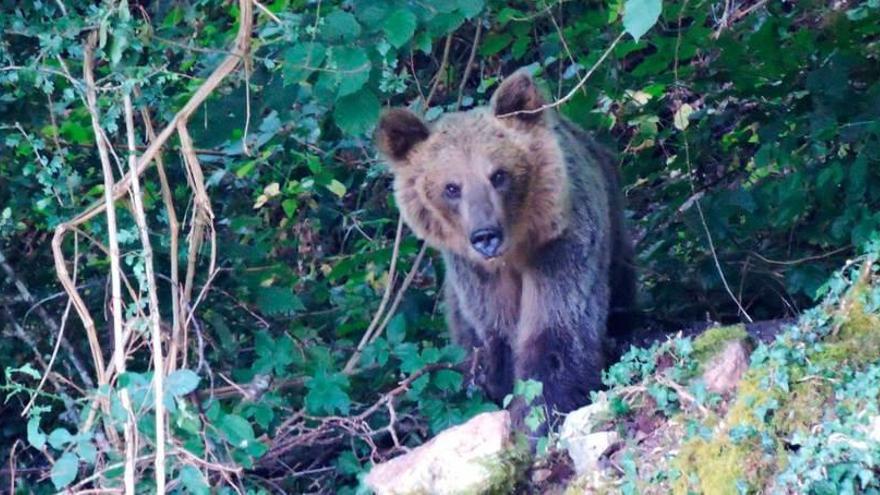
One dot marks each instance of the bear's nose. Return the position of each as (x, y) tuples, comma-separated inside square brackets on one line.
[(487, 241)]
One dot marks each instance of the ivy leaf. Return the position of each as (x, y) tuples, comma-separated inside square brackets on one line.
[(399, 27), (357, 112), (341, 26), (640, 15), (181, 382), (193, 480), (327, 393), (64, 471)]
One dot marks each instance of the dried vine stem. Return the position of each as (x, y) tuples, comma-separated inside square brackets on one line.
[(174, 234), (115, 268), (366, 338), (140, 218)]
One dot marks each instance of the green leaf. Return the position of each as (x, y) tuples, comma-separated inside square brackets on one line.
[(64, 470), (35, 436), (86, 450), (181, 382), (301, 60), (353, 68), (236, 430), (278, 300), (399, 27), (358, 112), (337, 188), (327, 393), (59, 438), (341, 26), (470, 8), (396, 329), (193, 480), (449, 380), (494, 43), (640, 15)]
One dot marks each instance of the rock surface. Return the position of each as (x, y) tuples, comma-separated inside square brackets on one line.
[(469, 458), (724, 371), (579, 437)]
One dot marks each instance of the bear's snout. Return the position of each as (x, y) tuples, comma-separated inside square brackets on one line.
[(487, 241)]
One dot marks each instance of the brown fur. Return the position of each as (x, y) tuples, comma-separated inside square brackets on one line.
[(540, 307)]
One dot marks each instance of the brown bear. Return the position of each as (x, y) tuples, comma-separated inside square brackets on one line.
[(527, 212)]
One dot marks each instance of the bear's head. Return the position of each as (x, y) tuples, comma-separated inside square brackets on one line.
[(489, 184)]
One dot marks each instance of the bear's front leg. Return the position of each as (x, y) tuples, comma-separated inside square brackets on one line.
[(560, 334)]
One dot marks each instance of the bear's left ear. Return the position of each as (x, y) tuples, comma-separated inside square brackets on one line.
[(399, 130), (519, 98)]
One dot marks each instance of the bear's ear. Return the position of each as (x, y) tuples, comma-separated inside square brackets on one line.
[(518, 95), (398, 131)]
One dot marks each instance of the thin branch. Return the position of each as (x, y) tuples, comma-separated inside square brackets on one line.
[(687, 158), (469, 65), (47, 320), (365, 339), (140, 218), (115, 267), (576, 88), (443, 63), (401, 291), (174, 233)]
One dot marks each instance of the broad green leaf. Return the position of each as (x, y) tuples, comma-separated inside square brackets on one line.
[(494, 43), (301, 60), (35, 436), (358, 112), (470, 8), (396, 329), (353, 69), (194, 481), (449, 380), (337, 188), (639, 16), (64, 470), (181, 382), (59, 438), (341, 26), (399, 27), (86, 450), (328, 393), (274, 300), (236, 429)]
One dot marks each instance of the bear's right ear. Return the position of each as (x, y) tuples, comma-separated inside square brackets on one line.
[(398, 131)]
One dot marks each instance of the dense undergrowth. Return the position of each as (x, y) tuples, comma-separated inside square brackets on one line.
[(804, 419), (748, 140)]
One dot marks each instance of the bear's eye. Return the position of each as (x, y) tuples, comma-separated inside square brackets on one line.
[(452, 191), (499, 178)]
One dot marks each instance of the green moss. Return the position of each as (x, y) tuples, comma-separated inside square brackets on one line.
[(857, 339), (713, 466), (507, 471), (803, 407), (750, 394), (712, 341)]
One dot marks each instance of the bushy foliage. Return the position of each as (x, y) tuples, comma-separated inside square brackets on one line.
[(754, 123), (803, 419)]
